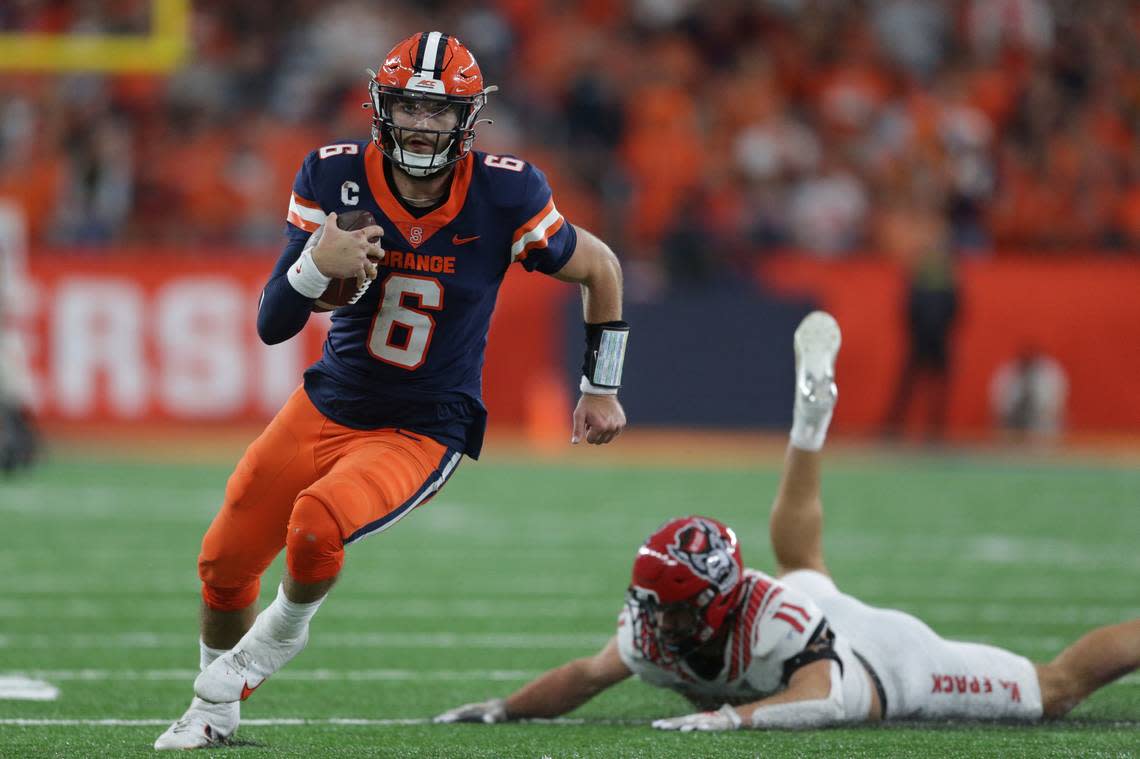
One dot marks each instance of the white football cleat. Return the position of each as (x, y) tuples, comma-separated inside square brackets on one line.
[(237, 673), (816, 343), (202, 726)]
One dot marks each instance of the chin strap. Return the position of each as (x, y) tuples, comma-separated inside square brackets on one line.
[(419, 164)]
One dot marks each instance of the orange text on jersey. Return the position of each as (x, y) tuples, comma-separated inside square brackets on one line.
[(420, 262)]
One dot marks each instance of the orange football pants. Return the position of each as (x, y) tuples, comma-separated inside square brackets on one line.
[(312, 486)]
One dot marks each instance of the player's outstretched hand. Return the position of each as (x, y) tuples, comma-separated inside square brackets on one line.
[(486, 712), (724, 718), (598, 418), (342, 255)]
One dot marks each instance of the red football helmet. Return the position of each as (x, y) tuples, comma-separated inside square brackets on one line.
[(690, 566), (427, 74)]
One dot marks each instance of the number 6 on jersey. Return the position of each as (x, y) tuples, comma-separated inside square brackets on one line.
[(419, 325)]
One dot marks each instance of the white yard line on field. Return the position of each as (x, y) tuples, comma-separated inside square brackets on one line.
[(991, 611), (411, 721), (432, 640), (314, 675), (306, 675), (292, 721), (423, 641), (15, 686), (1022, 615), (388, 608)]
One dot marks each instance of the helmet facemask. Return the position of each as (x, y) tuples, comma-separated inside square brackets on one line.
[(677, 629), (444, 146)]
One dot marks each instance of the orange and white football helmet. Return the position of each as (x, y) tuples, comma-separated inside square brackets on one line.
[(426, 74)]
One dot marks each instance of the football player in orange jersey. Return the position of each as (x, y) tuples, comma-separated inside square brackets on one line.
[(793, 651), (386, 414)]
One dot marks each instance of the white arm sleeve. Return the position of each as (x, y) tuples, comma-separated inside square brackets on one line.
[(801, 714)]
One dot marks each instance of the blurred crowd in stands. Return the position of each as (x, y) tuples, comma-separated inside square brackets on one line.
[(695, 136)]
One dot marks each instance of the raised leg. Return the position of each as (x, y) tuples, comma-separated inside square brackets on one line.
[(796, 522)]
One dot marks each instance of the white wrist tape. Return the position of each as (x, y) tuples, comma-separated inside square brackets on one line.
[(589, 388), (306, 278)]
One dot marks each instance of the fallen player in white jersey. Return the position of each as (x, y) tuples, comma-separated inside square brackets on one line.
[(794, 651)]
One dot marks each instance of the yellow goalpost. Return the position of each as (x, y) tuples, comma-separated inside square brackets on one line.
[(163, 49)]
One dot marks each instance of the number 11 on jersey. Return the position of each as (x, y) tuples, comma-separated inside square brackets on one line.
[(418, 324)]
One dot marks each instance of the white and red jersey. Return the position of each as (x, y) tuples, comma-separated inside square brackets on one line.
[(774, 624), (917, 673)]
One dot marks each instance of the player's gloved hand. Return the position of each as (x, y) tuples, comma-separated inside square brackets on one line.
[(598, 418), (724, 718), (487, 712), (342, 254)]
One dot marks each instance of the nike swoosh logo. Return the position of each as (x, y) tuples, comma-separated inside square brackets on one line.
[(247, 691), (457, 240), (298, 269)]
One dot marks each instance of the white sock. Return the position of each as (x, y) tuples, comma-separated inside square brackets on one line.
[(286, 620), (809, 428), (206, 655)]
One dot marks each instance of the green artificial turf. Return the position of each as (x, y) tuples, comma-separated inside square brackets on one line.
[(517, 567)]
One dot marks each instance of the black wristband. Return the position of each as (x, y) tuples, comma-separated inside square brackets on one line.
[(605, 353)]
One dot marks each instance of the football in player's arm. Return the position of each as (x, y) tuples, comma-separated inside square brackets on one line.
[(793, 651)]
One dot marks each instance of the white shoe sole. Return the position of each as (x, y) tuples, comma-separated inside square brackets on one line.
[(817, 342)]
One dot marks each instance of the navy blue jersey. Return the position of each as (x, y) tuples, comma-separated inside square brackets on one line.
[(409, 353)]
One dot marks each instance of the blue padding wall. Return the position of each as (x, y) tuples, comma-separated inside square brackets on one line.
[(704, 359)]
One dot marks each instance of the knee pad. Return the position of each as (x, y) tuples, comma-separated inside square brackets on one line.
[(314, 549)]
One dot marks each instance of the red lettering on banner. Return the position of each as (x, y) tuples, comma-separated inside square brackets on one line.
[(975, 686), (987, 686), (960, 682), (947, 684), (937, 684), (113, 339), (116, 340)]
